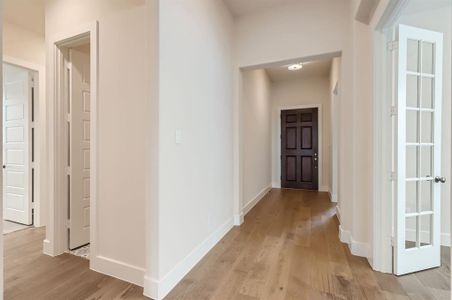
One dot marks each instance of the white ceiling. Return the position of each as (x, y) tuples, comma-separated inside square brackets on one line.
[(28, 14), (242, 7), (310, 69)]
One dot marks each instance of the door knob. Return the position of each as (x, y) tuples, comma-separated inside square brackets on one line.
[(4, 167), (439, 179)]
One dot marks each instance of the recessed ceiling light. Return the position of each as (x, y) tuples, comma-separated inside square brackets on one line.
[(295, 67)]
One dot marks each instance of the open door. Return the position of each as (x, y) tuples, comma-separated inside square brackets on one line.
[(79, 153), (419, 98), (17, 96)]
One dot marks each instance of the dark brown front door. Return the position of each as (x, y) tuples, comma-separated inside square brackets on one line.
[(299, 149)]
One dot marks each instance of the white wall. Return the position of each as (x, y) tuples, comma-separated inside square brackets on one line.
[(257, 106), (195, 98), (294, 93), (23, 44), (363, 136), (441, 20), (122, 111)]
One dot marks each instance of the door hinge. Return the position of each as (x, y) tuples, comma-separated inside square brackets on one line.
[(68, 223), (393, 241), (393, 176), (393, 45), (393, 111), (68, 170), (69, 65)]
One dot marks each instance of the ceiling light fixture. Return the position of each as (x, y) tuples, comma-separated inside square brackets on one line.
[(295, 67)]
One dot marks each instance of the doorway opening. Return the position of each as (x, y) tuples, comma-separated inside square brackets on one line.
[(287, 129), (72, 204), (76, 106), (20, 161)]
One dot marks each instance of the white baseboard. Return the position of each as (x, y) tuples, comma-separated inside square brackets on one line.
[(117, 269), (425, 236), (158, 289), (324, 189), (356, 248), (249, 206), (47, 248), (238, 219), (276, 185), (334, 198), (344, 235), (359, 248), (338, 213)]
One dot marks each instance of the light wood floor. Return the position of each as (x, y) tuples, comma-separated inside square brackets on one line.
[(288, 248), (29, 274)]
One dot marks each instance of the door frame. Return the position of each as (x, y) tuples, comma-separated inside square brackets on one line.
[(383, 198), (322, 187), (39, 92), (237, 123), (56, 239)]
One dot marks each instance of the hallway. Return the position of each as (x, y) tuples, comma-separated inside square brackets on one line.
[(288, 248)]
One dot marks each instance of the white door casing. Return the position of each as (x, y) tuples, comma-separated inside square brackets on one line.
[(17, 96), (419, 99), (79, 152)]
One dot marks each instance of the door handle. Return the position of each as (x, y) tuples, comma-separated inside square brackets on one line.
[(4, 167), (439, 179)]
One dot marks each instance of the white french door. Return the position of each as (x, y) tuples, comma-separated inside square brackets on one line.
[(17, 192), (418, 200)]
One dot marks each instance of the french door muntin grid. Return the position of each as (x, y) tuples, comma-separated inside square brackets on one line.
[(416, 216)]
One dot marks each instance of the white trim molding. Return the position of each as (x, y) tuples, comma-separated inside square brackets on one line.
[(338, 213), (56, 238), (249, 206), (158, 289), (239, 218), (117, 269), (356, 248), (334, 198)]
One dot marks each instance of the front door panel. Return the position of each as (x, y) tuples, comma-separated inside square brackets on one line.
[(299, 149)]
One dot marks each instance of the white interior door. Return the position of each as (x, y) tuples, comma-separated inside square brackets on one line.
[(79, 187), (17, 204), (418, 204)]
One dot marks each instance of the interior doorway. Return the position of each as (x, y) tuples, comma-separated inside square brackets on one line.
[(20, 101), (300, 149), (75, 86)]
